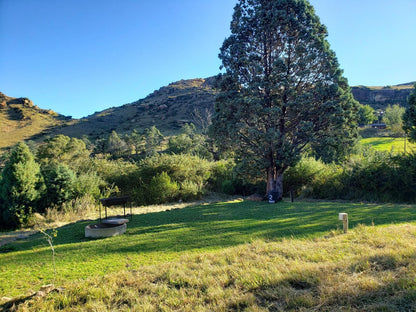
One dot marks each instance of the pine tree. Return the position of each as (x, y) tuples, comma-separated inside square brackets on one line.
[(20, 187), (283, 91), (115, 145), (153, 138), (409, 118)]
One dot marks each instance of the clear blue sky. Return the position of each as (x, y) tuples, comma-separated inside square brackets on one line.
[(81, 56)]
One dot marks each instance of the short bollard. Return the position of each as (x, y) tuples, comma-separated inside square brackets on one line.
[(344, 218)]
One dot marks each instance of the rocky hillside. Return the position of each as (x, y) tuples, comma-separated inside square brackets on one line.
[(381, 97), (21, 120), (168, 109)]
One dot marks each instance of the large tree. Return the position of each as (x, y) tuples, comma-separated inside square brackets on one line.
[(283, 91), (409, 118)]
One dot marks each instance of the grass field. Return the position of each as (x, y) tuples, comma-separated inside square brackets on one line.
[(389, 144), (233, 256)]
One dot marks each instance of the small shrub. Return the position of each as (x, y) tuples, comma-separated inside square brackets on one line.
[(301, 175), (190, 190), (162, 189)]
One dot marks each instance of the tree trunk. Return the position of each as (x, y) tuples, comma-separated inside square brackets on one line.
[(274, 189)]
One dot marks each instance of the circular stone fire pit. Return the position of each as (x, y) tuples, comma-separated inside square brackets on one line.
[(107, 228)]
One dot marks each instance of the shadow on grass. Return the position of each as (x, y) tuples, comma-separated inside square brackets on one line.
[(221, 225)]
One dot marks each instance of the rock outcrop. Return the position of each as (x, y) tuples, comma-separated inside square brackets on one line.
[(381, 97)]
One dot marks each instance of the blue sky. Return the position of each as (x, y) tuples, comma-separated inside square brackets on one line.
[(77, 57)]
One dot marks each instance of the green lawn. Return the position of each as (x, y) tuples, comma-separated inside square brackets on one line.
[(389, 144), (157, 238)]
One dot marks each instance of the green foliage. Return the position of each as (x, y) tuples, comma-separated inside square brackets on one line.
[(120, 173), (409, 118), (152, 140), (190, 190), (393, 117), (189, 142), (21, 186), (227, 187), (115, 145), (366, 115), (273, 104), (136, 142), (222, 170), (162, 189), (88, 183), (375, 176), (60, 184), (180, 144), (65, 150), (191, 173), (303, 174)]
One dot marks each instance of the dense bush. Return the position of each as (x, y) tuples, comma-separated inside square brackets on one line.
[(120, 173), (60, 185), (21, 186), (376, 176), (89, 184), (64, 150), (303, 174), (191, 174), (162, 189), (222, 173)]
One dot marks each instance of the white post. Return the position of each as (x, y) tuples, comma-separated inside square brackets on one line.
[(344, 218)]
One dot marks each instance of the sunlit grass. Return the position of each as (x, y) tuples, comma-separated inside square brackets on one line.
[(34, 123), (164, 237), (389, 144), (372, 268)]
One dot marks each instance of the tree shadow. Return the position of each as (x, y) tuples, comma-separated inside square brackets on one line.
[(223, 225)]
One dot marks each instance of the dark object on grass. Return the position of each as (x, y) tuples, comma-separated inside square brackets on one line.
[(116, 201)]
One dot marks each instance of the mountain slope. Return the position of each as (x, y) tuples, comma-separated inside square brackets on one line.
[(167, 108), (21, 120)]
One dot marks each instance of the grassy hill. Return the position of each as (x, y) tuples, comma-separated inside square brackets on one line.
[(21, 120), (229, 256), (168, 109)]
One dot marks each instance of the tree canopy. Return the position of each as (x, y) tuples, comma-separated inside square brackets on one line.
[(393, 118), (366, 115), (409, 118), (21, 185), (282, 91)]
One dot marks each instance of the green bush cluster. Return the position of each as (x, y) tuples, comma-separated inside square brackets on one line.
[(179, 176), (375, 177), (62, 171), (57, 175)]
